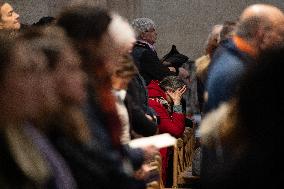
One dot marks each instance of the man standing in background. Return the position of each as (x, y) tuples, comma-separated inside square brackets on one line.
[(261, 27)]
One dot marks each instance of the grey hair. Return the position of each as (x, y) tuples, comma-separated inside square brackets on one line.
[(142, 25), (171, 82)]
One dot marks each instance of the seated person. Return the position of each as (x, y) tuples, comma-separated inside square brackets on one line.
[(179, 63), (165, 99), (132, 117)]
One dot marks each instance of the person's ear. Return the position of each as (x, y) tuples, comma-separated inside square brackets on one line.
[(261, 37), (143, 35)]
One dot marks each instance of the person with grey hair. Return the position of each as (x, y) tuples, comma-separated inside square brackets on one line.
[(147, 62), (142, 25), (260, 27), (165, 99), (144, 53)]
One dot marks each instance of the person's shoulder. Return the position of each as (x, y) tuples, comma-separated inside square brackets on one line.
[(226, 60), (140, 48), (141, 45)]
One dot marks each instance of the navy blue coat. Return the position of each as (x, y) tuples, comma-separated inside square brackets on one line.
[(227, 66)]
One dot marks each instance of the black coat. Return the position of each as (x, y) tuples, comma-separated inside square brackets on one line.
[(148, 63), (92, 166), (137, 119), (137, 90)]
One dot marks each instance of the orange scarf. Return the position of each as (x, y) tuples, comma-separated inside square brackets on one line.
[(244, 46)]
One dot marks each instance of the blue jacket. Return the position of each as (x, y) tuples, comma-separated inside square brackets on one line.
[(227, 66)]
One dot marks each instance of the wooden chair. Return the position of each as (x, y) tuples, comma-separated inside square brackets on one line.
[(182, 163), (157, 165)]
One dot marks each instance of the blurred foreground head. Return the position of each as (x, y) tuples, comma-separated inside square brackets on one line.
[(101, 43), (23, 68), (67, 85), (262, 26)]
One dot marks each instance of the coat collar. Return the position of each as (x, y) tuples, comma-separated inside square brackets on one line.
[(144, 44)]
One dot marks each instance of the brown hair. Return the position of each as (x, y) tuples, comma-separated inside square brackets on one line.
[(126, 68), (70, 121), (227, 30), (213, 39), (6, 46), (86, 25)]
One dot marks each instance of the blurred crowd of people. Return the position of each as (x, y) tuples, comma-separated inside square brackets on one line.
[(76, 89)]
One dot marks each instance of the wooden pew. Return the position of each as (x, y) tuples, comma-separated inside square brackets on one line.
[(182, 163), (157, 165)]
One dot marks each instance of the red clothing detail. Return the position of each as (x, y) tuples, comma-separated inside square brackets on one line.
[(172, 123)]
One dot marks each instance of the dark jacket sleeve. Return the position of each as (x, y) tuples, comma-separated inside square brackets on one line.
[(138, 121), (137, 90), (152, 68), (223, 80), (136, 156)]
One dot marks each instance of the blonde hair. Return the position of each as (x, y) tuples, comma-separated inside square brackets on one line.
[(126, 68), (213, 39)]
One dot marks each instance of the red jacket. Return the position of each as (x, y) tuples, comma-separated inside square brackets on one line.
[(172, 123)]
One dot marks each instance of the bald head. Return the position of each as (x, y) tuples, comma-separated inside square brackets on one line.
[(262, 25), (263, 11)]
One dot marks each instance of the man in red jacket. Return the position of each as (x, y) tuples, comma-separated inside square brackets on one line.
[(165, 99)]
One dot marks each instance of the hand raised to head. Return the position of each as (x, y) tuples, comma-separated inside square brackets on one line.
[(177, 94)]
